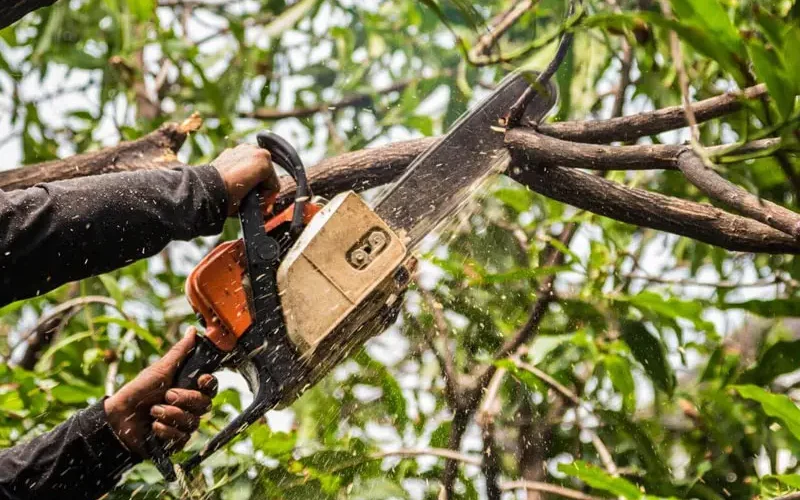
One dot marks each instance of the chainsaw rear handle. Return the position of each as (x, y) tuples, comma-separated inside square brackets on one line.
[(205, 357)]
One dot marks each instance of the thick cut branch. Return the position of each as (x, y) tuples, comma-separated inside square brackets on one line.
[(629, 128), (358, 170), (548, 150), (644, 208), (737, 198), (14, 10), (155, 150)]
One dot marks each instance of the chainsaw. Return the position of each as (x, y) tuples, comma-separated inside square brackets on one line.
[(306, 286)]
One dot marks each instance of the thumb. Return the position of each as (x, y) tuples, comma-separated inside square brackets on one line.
[(175, 356)]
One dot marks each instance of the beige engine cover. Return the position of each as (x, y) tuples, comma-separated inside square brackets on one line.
[(345, 254)]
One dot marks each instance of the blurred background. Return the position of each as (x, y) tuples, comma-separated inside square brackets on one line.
[(624, 382)]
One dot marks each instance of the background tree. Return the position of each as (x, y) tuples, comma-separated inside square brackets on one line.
[(565, 344)]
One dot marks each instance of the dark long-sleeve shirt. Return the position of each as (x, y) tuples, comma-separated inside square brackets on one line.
[(63, 231)]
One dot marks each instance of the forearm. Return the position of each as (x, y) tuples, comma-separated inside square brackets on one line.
[(80, 459), (58, 232)]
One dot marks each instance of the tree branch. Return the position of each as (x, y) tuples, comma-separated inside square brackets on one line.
[(644, 208), (716, 187), (485, 417), (62, 311), (155, 150), (549, 150), (498, 26), (355, 100), (629, 128), (457, 427), (548, 488), (436, 452)]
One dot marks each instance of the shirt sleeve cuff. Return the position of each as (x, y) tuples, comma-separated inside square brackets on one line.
[(217, 198), (105, 444)]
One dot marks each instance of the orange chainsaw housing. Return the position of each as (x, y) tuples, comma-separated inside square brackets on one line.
[(216, 287)]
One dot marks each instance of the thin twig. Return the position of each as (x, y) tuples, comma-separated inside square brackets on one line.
[(790, 496), (683, 77), (113, 367), (707, 284), (57, 311), (553, 383), (489, 407), (566, 393), (485, 417), (435, 452), (498, 26), (517, 110), (548, 488), (440, 322), (354, 100)]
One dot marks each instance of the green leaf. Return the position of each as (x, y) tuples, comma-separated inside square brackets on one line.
[(601, 480), (394, 399), (532, 381), (651, 302), (90, 358), (422, 123), (62, 344), (55, 18), (441, 435), (71, 394), (781, 357), (713, 19), (770, 70), (142, 10), (273, 444), (142, 333), (650, 352), (775, 308), (774, 405), (519, 199), (377, 488), (113, 289), (288, 18), (619, 371)]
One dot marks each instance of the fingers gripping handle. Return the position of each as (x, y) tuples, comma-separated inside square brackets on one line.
[(204, 358)]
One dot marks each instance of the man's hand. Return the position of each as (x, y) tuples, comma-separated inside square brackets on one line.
[(132, 410), (242, 169)]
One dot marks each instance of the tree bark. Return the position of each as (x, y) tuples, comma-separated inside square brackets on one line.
[(14, 10), (157, 149), (629, 128), (644, 208)]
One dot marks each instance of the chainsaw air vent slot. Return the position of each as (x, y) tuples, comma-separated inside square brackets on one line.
[(372, 244)]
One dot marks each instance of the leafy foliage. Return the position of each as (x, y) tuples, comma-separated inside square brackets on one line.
[(683, 357)]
